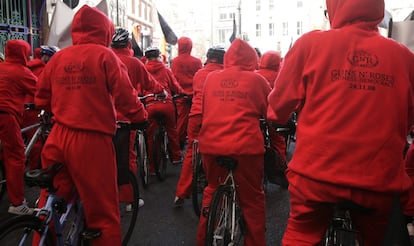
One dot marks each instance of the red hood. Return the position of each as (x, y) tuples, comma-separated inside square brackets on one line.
[(344, 12), (270, 60), (17, 51), (185, 45), (90, 25), (241, 54), (153, 66)]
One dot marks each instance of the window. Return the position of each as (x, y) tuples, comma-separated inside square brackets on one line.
[(223, 16), (258, 30), (271, 29), (271, 4), (285, 29), (299, 28), (299, 4), (232, 16), (222, 36), (257, 5)]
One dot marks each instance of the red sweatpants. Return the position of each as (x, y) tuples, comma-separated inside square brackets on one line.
[(125, 191), (13, 157), (309, 216), (89, 164), (186, 176), (167, 112), (249, 177), (183, 110)]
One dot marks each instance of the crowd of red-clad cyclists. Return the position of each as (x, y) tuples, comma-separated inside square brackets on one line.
[(351, 88)]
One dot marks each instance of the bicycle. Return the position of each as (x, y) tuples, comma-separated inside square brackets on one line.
[(341, 231), (160, 151), (199, 181), (67, 217), (225, 222)]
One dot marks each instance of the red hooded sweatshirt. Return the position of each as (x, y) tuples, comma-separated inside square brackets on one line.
[(184, 66), (141, 79), (234, 100), (82, 82), (199, 79), (355, 91), (16, 79), (165, 77), (269, 66)]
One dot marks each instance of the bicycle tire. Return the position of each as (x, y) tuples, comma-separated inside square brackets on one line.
[(160, 157), (199, 183), (129, 210), (219, 219), (3, 184), (142, 160), (13, 230)]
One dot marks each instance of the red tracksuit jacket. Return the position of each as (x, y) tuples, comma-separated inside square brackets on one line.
[(87, 101), (16, 79), (234, 99), (184, 66), (355, 91), (199, 79), (269, 66)]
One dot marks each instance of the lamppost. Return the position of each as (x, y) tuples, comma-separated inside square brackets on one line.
[(240, 25)]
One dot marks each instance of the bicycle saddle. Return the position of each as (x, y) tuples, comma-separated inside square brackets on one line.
[(42, 178), (227, 162)]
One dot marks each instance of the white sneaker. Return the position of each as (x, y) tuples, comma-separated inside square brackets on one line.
[(141, 202), (128, 207), (178, 201), (21, 209)]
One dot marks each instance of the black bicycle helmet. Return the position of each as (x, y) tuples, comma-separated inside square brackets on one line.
[(120, 38), (152, 52), (48, 50), (216, 54)]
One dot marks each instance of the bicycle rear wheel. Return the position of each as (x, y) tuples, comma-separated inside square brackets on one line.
[(220, 230), (2, 180), (19, 230), (160, 156), (142, 159), (129, 208), (198, 184)]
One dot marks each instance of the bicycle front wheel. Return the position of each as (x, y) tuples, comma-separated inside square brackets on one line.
[(160, 155), (142, 160), (20, 230), (198, 184), (220, 229), (128, 207)]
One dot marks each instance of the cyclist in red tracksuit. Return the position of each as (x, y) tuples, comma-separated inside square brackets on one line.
[(165, 107), (184, 66), (16, 81), (83, 85), (30, 116), (214, 62), (234, 100), (142, 80), (269, 68), (354, 91)]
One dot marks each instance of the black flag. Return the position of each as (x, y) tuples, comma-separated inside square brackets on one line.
[(233, 35), (135, 47), (169, 35)]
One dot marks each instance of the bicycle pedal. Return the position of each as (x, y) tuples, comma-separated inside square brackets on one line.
[(91, 234)]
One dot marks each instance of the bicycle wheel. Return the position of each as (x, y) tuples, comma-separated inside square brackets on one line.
[(19, 230), (2, 180), (198, 184), (142, 159), (220, 230), (160, 156), (128, 209)]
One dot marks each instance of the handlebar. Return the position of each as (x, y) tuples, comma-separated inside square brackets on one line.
[(185, 96)]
